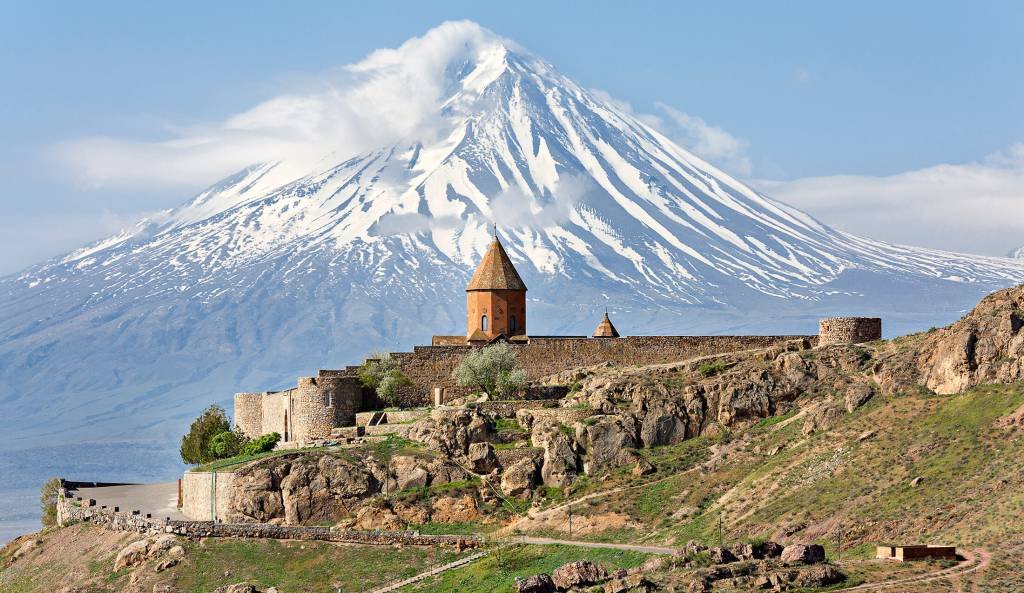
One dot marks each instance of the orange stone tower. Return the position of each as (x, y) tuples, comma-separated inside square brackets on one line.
[(495, 298)]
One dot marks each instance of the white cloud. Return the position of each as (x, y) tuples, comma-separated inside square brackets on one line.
[(391, 95), (707, 141), (976, 207)]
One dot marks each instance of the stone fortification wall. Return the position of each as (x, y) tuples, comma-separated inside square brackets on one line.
[(69, 512), (566, 416), (431, 366), (305, 413), (206, 496), (508, 408), (249, 413), (849, 330)]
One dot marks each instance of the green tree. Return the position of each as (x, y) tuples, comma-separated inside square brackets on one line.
[(380, 372), (226, 444), (195, 446), (492, 369), (48, 501)]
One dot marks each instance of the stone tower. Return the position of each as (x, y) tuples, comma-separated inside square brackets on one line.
[(495, 298)]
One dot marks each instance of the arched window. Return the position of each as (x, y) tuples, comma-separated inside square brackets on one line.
[(512, 323), (483, 323)]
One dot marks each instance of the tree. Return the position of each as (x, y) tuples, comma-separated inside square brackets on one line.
[(195, 446), (48, 501), (226, 444), (492, 369), (380, 372)]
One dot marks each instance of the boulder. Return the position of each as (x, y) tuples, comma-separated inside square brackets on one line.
[(519, 478), (25, 548), (131, 555), (857, 395), (481, 459), (803, 554), (538, 583), (449, 509), (452, 430), (409, 471), (820, 576), (578, 574), (560, 464), (821, 417), (721, 555), (605, 440), (768, 549), (632, 583)]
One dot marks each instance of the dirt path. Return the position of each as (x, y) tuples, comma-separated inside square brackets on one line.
[(547, 541), (974, 561)]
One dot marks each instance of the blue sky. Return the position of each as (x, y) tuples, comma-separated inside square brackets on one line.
[(911, 109)]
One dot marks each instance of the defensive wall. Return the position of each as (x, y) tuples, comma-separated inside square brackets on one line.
[(71, 511)]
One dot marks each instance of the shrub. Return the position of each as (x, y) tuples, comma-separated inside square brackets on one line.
[(707, 369), (380, 372), (226, 444), (261, 444), (48, 501), (492, 369), (195, 446)]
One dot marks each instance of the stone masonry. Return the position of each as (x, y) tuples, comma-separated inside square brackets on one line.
[(849, 330)]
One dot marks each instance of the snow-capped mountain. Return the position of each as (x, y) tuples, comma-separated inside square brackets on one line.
[(1017, 253), (290, 266)]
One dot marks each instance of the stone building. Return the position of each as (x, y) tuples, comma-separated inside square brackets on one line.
[(495, 311)]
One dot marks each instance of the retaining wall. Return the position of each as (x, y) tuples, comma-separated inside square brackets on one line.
[(206, 496)]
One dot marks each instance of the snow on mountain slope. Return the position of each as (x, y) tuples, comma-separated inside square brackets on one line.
[(1017, 253), (294, 265)]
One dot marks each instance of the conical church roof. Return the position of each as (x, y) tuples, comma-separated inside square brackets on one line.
[(605, 329), (496, 271)]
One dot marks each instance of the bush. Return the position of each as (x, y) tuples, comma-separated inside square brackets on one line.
[(493, 370), (48, 501), (380, 372), (708, 369), (195, 446), (226, 444), (261, 444)]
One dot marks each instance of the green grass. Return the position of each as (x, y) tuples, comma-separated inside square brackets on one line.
[(497, 571), (315, 567), (508, 425), (469, 528), (773, 420), (242, 459), (712, 367)]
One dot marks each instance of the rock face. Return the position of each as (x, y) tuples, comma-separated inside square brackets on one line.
[(561, 461), (986, 346), (538, 583), (452, 430), (480, 458), (605, 438), (519, 478), (449, 509), (299, 488), (803, 554), (138, 552)]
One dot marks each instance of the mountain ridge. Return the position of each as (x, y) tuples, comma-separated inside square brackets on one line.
[(272, 273)]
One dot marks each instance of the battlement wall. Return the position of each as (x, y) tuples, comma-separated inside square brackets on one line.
[(431, 367), (849, 330)]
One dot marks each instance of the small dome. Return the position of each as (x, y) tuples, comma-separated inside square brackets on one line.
[(605, 329)]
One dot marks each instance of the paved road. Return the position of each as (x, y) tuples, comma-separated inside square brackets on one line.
[(161, 500)]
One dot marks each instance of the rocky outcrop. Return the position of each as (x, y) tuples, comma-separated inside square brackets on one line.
[(986, 346), (452, 430), (299, 488), (520, 478), (605, 439), (803, 554), (560, 465), (581, 573), (481, 459), (538, 583), (449, 509)]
